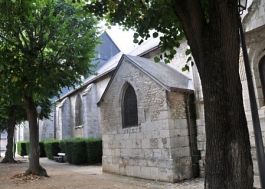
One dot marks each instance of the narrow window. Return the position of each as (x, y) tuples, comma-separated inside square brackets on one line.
[(262, 76), (130, 113), (78, 111)]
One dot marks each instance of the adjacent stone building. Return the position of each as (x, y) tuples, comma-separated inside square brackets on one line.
[(3, 143)]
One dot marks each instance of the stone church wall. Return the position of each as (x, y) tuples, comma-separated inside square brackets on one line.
[(148, 150), (66, 112)]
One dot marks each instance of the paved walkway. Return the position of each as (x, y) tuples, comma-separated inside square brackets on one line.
[(65, 176)]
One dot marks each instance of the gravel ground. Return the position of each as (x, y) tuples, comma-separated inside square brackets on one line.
[(65, 176)]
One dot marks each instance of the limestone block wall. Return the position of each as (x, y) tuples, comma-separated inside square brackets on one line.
[(22, 132), (64, 120), (46, 127), (146, 150), (77, 130), (3, 143), (256, 15), (179, 135), (91, 112), (66, 112), (256, 49)]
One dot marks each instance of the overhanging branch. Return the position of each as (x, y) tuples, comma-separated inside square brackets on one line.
[(190, 14)]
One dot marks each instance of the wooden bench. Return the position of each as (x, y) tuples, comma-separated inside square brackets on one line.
[(59, 158)]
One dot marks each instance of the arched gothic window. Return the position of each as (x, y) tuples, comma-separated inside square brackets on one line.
[(78, 111), (129, 109), (262, 76)]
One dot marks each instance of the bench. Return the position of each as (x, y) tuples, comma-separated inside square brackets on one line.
[(59, 158)]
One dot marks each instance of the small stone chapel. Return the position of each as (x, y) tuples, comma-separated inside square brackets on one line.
[(146, 122)]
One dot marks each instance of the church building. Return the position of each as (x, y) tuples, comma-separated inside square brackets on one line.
[(150, 115)]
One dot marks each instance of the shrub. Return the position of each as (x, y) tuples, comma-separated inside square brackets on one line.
[(82, 151), (27, 147), (51, 148), (23, 148), (76, 151), (42, 150), (62, 145), (94, 151)]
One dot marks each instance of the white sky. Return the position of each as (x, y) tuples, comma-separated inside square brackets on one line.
[(122, 38)]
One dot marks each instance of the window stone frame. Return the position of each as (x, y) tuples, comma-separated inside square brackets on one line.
[(123, 108)]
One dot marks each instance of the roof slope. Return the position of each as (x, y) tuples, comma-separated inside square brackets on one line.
[(169, 78), (162, 73), (145, 47), (107, 68)]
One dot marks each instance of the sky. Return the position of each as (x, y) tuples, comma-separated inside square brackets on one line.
[(122, 38)]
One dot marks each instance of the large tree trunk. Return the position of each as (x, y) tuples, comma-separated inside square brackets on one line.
[(228, 157), (9, 155), (34, 163), (213, 35)]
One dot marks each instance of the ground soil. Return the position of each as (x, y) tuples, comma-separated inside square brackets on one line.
[(65, 176)]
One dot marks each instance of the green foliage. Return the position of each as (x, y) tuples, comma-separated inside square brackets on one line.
[(62, 145), (52, 148), (10, 112), (144, 17), (23, 148), (82, 151), (42, 149), (94, 151), (45, 46), (76, 151)]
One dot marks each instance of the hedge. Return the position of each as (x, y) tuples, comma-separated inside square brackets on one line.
[(23, 148), (42, 150), (51, 148), (78, 150), (94, 151), (82, 150)]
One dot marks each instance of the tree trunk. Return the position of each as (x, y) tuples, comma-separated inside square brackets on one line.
[(228, 157), (34, 163), (9, 155)]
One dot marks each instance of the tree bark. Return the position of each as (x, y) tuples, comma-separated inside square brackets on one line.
[(9, 155), (228, 156), (34, 163), (216, 53)]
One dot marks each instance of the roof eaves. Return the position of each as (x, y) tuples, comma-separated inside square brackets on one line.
[(150, 75), (177, 89), (115, 72), (148, 51), (85, 84)]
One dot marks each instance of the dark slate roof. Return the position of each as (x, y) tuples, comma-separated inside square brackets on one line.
[(105, 50), (103, 53), (169, 78), (102, 72)]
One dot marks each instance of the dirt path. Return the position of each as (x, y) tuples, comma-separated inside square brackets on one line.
[(65, 176)]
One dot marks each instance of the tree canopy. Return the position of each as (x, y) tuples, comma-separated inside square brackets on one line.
[(45, 45), (51, 44)]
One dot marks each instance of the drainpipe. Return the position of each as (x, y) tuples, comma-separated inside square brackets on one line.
[(254, 109)]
